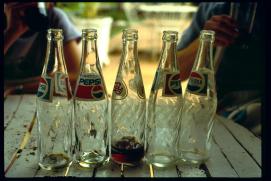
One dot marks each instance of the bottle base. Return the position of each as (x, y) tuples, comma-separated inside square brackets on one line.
[(91, 159), (161, 160), (54, 161), (193, 157)]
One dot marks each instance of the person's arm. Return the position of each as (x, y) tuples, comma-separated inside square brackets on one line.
[(26, 88), (72, 55), (186, 58), (225, 34)]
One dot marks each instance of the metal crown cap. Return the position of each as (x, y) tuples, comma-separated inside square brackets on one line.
[(130, 34), (170, 36), (55, 34), (89, 33), (208, 35)]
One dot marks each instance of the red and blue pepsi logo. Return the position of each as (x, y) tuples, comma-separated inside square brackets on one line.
[(44, 92), (197, 83), (97, 92), (172, 85), (90, 87)]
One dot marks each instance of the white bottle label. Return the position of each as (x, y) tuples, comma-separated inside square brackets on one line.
[(120, 90), (60, 84)]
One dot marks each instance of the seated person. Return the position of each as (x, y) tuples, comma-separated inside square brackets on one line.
[(239, 77), (25, 44)]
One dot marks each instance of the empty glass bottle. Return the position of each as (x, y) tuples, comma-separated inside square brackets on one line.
[(54, 107), (164, 106), (128, 105), (90, 106), (199, 106)]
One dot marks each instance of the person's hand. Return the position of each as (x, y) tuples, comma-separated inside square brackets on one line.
[(225, 29)]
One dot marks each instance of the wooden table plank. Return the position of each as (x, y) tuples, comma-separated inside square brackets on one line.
[(76, 170), (217, 164), (108, 170), (11, 106), (25, 166), (191, 171), (246, 138), (237, 156), (141, 170), (18, 126), (165, 172), (235, 152)]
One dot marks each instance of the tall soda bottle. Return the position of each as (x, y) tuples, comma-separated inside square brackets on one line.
[(199, 107), (164, 106), (90, 106), (128, 105), (54, 107)]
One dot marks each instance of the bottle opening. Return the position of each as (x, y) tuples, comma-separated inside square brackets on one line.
[(130, 34), (89, 33), (55, 34), (207, 35), (170, 35)]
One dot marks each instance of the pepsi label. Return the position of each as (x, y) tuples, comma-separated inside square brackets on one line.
[(197, 83), (172, 85), (45, 90), (90, 88), (120, 90)]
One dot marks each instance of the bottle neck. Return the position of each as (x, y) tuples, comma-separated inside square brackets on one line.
[(90, 58), (129, 55), (168, 56), (204, 57), (55, 57)]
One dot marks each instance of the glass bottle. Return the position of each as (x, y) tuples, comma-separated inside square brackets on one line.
[(164, 106), (53, 99), (128, 105), (90, 106), (199, 105)]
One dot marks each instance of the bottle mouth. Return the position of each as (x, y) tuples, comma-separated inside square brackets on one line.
[(129, 34), (55, 34), (170, 36), (208, 35), (89, 33)]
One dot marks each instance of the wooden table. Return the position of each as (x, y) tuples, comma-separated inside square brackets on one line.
[(235, 152)]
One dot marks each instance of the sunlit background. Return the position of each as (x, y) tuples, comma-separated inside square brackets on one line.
[(150, 19)]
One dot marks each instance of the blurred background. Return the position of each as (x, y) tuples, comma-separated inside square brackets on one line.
[(150, 19)]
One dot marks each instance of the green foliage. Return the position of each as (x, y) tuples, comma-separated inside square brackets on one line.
[(81, 9)]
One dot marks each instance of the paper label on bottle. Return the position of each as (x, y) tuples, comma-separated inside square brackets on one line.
[(197, 83), (45, 90), (120, 90), (60, 84), (172, 85), (90, 88)]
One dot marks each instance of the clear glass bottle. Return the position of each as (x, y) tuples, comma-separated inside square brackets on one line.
[(53, 100), (164, 106), (199, 105), (90, 106), (128, 105)]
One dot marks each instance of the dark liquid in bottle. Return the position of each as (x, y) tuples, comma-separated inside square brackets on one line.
[(127, 151)]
